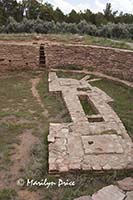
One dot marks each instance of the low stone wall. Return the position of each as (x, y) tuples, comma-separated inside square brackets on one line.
[(18, 57), (114, 62)]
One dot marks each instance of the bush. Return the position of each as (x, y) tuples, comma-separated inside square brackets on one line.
[(60, 27), (26, 26), (11, 26), (105, 31), (71, 28), (85, 28), (130, 29), (109, 30), (120, 31)]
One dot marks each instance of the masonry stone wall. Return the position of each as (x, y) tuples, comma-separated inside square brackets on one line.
[(114, 62), (18, 57), (110, 61)]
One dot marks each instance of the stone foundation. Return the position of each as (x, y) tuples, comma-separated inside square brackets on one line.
[(83, 145)]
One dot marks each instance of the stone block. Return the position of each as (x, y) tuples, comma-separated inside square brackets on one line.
[(126, 184), (84, 198), (109, 193), (129, 196), (101, 144)]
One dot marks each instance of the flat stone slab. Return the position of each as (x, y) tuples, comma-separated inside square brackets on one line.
[(129, 196), (68, 82), (84, 198), (109, 193), (100, 144), (126, 184)]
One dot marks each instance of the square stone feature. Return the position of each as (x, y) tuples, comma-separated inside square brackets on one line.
[(102, 144)]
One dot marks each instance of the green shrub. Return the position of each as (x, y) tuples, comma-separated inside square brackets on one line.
[(109, 30)]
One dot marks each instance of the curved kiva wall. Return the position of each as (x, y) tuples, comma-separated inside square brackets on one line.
[(114, 62), (18, 57)]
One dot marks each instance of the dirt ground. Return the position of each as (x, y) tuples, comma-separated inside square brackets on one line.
[(20, 153)]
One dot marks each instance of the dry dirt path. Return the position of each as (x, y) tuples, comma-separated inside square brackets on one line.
[(35, 93), (21, 153)]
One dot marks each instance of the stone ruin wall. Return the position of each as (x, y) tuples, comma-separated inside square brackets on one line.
[(89, 142), (18, 57), (113, 62)]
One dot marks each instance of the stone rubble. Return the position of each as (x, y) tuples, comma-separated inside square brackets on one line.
[(126, 184), (113, 192), (129, 196), (109, 193), (84, 198)]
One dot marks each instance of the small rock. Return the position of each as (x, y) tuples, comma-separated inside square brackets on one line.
[(126, 184), (84, 198), (107, 167), (37, 37), (97, 167), (129, 196), (109, 193), (24, 100)]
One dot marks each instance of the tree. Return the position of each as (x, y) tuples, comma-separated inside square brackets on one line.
[(31, 9), (37, 9), (73, 17), (2, 14), (108, 13), (100, 19), (59, 15), (46, 12), (127, 18), (93, 18), (86, 15), (10, 8)]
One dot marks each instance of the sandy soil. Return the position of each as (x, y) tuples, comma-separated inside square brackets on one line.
[(35, 93)]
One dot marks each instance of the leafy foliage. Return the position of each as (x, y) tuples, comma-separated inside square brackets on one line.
[(32, 9), (29, 16), (109, 30)]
